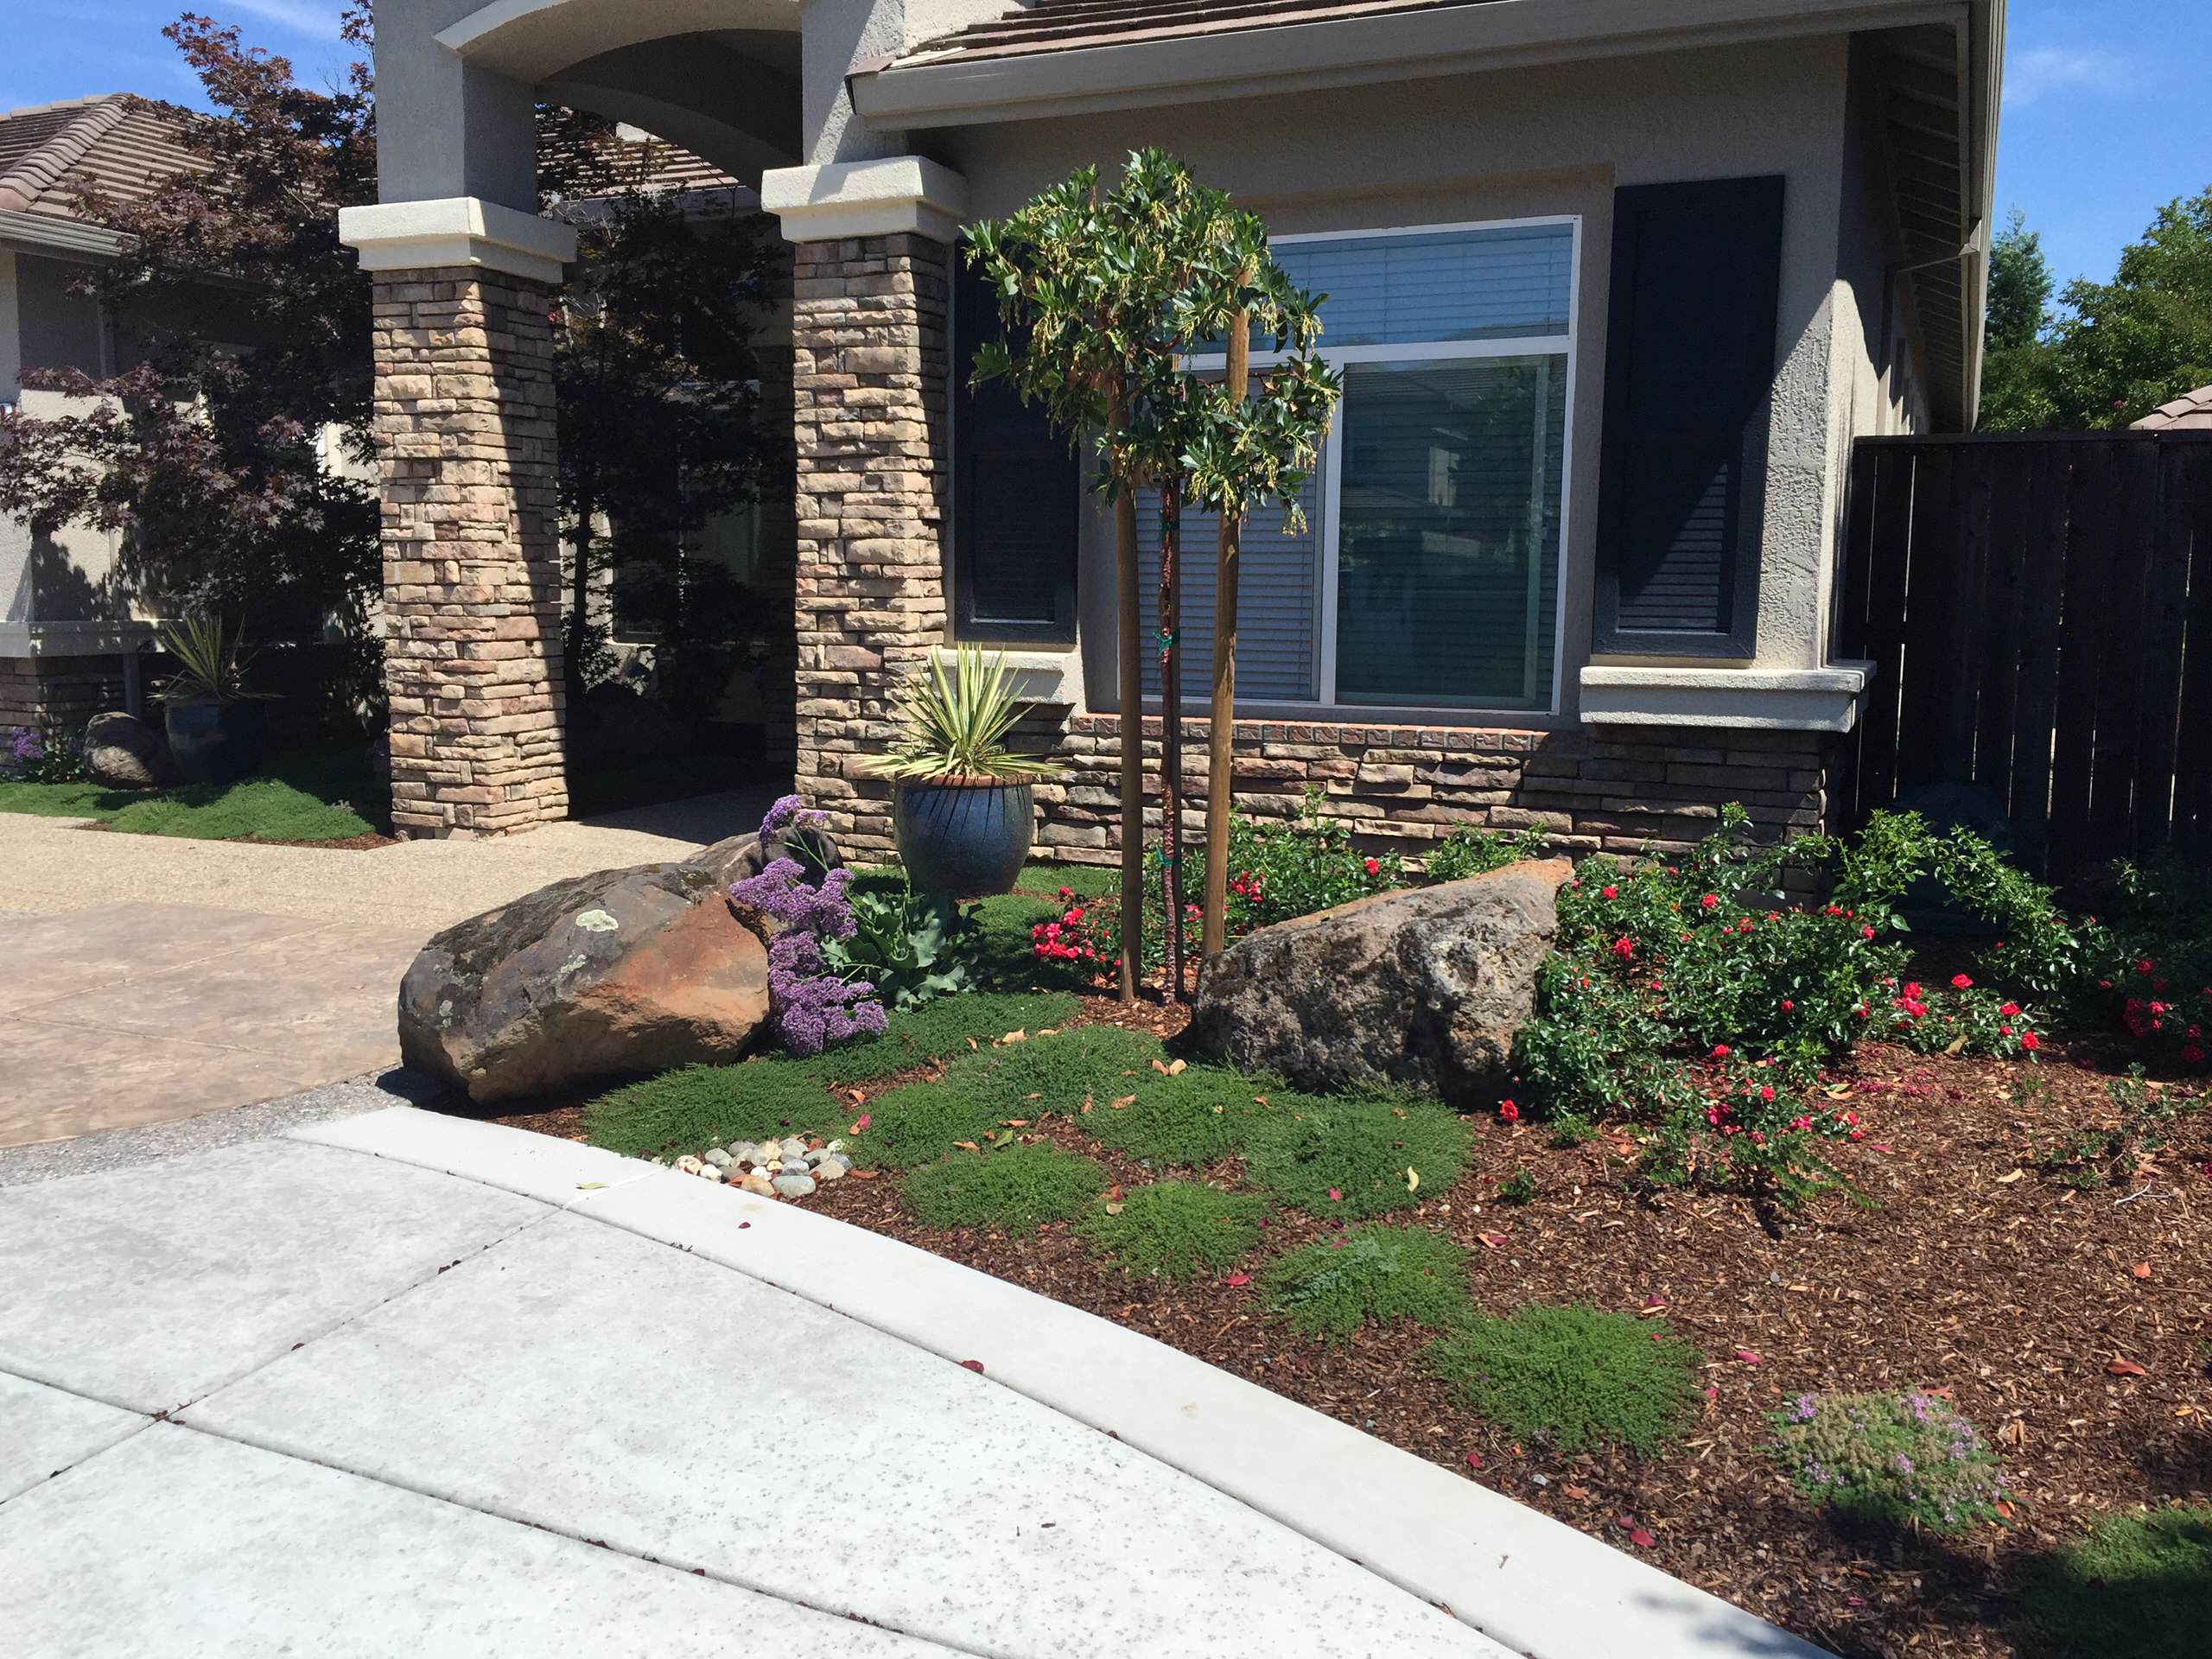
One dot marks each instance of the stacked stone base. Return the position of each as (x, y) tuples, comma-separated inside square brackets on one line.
[(59, 693), (1614, 790)]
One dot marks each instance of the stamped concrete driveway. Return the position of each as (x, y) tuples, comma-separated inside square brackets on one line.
[(404, 1384), (144, 979)]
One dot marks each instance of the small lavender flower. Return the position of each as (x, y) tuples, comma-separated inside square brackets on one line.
[(28, 745), (809, 1007)]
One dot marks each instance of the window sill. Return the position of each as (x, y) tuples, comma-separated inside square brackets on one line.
[(1048, 676), (1750, 699)]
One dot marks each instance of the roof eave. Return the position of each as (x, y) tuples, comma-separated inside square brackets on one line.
[(70, 238), (946, 91)]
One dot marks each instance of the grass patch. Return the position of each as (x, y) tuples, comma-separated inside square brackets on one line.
[(1178, 1231), (1189, 1120), (1576, 1376), (1019, 1186), (704, 1106), (1303, 1149), (935, 1031), (1369, 1275), (919, 1123), (1055, 1073), (314, 796), (2138, 1585)]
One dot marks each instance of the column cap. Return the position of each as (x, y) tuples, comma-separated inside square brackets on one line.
[(457, 230), (890, 196)]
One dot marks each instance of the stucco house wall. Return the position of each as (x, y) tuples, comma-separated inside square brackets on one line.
[(895, 129)]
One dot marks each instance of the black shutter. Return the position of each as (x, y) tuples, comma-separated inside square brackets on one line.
[(1689, 362), (1016, 492)]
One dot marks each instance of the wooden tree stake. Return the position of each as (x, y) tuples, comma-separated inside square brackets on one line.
[(1220, 728)]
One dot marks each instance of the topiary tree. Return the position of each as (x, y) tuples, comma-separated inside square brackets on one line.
[(1109, 296)]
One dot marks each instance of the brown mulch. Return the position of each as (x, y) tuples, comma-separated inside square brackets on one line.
[(2027, 1302)]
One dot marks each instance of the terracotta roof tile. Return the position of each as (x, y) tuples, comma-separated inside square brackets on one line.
[(1067, 25), (116, 146), (2190, 412)]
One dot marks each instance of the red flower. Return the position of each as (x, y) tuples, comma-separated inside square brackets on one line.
[(1960, 982), (1766, 1092), (1612, 893), (1624, 948), (1711, 901), (1508, 1112), (1866, 932), (1721, 1051), (1373, 866), (2009, 1009), (1788, 1006), (2030, 1041)]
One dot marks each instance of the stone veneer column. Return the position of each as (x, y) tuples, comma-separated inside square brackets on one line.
[(871, 294), (472, 568)]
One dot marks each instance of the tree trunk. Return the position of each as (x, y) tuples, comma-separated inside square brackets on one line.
[(1220, 726), (1171, 736), (1132, 671)]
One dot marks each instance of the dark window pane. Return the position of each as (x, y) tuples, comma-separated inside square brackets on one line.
[(1448, 532)]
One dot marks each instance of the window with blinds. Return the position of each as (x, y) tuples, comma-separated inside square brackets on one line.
[(1428, 575)]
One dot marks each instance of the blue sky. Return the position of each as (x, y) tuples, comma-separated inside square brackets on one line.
[(2104, 110)]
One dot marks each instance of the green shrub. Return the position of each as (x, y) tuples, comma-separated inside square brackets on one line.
[(1519, 1187), (911, 947), (2141, 1115), (1178, 1231), (1349, 1158), (702, 1106), (1012, 1188), (1368, 1274), (2138, 1585), (1469, 851), (1697, 998), (1889, 1459), (936, 1031), (1576, 1376), (1190, 1119)]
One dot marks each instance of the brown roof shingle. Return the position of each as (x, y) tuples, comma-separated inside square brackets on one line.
[(1068, 25), (117, 146), (2190, 412)]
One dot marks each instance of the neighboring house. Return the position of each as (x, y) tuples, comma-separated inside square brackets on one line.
[(2191, 411), (1614, 286), (68, 645)]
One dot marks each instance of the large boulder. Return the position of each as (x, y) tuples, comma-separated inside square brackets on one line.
[(1427, 986), (617, 973), (122, 751)]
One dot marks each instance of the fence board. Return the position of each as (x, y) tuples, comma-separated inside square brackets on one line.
[(2038, 610)]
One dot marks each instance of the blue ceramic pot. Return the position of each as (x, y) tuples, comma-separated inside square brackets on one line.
[(961, 835), (215, 743)]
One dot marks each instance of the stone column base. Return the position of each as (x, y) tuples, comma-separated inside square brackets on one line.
[(472, 570)]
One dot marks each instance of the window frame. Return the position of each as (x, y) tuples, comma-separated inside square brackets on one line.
[(1329, 473)]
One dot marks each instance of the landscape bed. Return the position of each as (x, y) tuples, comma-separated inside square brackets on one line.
[(2070, 1323)]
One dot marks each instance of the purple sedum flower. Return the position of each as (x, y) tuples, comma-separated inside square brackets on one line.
[(808, 1008)]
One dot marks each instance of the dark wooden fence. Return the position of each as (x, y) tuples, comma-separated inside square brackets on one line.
[(2039, 611)]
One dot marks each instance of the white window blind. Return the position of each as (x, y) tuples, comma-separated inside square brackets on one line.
[(1512, 283), (1277, 595)]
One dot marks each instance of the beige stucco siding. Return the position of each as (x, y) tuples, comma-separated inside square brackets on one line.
[(1537, 141)]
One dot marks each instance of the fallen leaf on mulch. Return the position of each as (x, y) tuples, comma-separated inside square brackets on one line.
[(2125, 1368), (1496, 1241), (1749, 1358), (1637, 1535), (2141, 1269), (1236, 1279)]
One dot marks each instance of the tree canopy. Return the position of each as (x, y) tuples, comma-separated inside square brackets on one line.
[(2114, 351)]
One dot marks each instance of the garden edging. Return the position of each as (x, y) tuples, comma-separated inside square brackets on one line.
[(1529, 1582)]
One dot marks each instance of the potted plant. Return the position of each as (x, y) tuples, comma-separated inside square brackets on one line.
[(216, 726), (962, 810)]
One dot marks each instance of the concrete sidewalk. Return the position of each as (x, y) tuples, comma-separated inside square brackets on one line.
[(403, 1384)]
